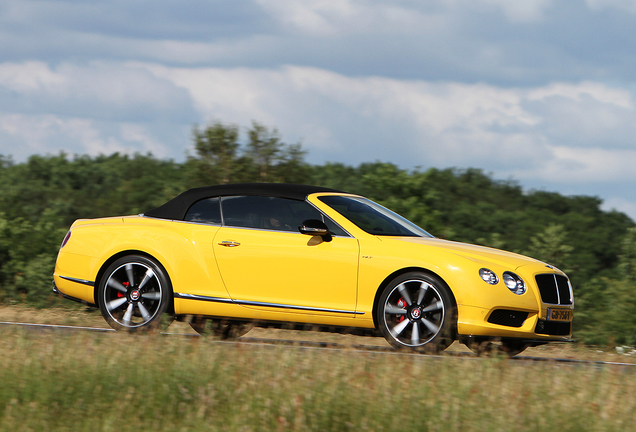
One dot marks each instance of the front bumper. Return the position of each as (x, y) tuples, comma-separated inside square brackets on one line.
[(510, 323)]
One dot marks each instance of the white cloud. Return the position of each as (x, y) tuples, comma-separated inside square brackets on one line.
[(559, 133), (584, 165), (134, 133), (521, 11), (32, 133), (314, 17), (576, 92), (331, 18), (98, 91), (24, 135), (624, 5), (538, 90), (91, 139), (39, 134), (29, 77), (511, 131)]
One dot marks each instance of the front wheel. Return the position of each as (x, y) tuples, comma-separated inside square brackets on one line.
[(134, 293), (506, 347), (417, 311)]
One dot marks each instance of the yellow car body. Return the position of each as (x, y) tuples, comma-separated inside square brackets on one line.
[(267, 275)]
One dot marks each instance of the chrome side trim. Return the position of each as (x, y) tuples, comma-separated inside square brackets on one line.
[(316, 230), (202, 298), (284, 306), (79, 281), (262, 304)]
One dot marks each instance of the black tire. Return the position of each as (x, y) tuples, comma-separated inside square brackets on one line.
[(417, 311), (134, 293), (222, 329), (493, 347)]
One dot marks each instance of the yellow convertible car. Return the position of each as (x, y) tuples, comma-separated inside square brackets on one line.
[(228, 257)]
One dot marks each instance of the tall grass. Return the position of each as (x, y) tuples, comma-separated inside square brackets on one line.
[(86, 382)]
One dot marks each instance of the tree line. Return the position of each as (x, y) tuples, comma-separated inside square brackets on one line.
[(41, 197)]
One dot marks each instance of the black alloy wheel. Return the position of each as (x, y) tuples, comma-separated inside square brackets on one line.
[(417, 311), (134, 293)]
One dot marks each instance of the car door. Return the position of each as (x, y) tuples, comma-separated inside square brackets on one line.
[(265, 262), (200, 269)]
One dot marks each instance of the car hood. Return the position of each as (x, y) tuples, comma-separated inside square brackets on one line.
[(471, 252)]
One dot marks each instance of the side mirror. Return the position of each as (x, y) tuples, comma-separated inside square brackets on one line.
[(315, 227)]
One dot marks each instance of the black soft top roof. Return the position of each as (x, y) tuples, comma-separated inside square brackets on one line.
[(177, 207)]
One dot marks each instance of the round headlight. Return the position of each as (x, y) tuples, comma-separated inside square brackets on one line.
[(514, 283), (488, 276)]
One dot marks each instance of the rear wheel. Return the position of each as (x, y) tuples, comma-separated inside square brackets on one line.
[(222, 329), (417, 311), (506, 347), (134, 293)]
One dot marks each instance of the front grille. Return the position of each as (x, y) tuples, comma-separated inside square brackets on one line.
[(508, 318), (554, 328), (554, 289)]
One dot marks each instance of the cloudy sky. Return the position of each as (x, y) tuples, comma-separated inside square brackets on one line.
[(539, 91)]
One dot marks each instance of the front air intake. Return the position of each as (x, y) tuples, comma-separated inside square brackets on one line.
[(508, 318), (553, 328)]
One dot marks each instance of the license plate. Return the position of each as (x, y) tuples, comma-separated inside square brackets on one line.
[(559, 315)]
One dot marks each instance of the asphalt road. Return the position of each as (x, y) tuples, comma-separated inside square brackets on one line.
[(46, 328)]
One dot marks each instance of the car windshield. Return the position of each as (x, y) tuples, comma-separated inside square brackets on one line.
[(372, 217)]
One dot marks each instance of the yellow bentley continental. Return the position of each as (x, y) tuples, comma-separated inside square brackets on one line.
[(226, 258)]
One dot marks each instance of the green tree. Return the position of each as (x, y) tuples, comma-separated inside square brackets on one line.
[(606, 306), (221, 158), (291, 166), (28, 251), (627, 258), (549, 246), (217, 148), (273, 160), (264, 149)]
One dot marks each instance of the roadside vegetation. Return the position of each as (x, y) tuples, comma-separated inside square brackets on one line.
[(107, 382), (41, 197)]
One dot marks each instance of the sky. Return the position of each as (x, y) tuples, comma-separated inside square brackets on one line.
[(542, 92)]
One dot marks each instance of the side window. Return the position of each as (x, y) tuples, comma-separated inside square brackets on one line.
[(205, 211), (270, 213), (334, 228), (258, 212)]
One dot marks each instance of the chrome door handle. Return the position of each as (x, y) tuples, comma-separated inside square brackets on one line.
[(228, 243)]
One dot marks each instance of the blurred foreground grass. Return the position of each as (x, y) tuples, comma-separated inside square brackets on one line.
[(120, 382)]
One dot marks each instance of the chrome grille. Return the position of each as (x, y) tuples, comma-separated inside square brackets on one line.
[(554, 289)]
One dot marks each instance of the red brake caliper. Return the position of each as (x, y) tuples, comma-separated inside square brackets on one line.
[(401, 303), (121, 294)]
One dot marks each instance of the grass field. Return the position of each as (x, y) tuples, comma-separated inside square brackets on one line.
[(90, 317), (119, 382)]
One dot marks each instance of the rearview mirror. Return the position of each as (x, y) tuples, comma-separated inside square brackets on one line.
[(315, 227)]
